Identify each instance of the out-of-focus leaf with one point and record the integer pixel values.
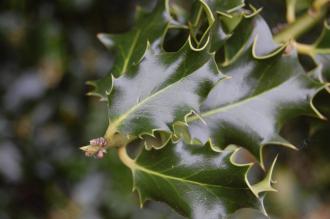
(301, 5)
(322, 44)
(323, 62)
(322, 53)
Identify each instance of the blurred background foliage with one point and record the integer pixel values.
(48, 50)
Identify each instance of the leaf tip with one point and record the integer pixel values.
(105, 39)
(265, 185)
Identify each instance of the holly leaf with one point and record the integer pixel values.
(165, 88)
(264, 91)
(131, 46)
(202, 34)
(250, 30)
(195, 180)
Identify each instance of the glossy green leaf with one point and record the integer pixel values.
(200, 25)
(181, 100)
(164, 89)
(252, 28)
(230, 21)
(100, 87)
(195, 180)
(208, 12)
(263, 93)
(131, 46)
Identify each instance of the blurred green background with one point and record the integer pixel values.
(48, 50)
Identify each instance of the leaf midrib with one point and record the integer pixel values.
(235, 104)
(113, 127)
(130, 52)
(136, 166)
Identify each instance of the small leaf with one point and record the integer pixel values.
(212, 9)
(100, 87)
(199, 31)
(322, 44)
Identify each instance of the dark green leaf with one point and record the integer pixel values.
(249, 108)
(164, 89)
(193, 179)
(131, 46)
(251, 29)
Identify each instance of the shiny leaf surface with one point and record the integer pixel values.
(249, 108)
(195, 180)
(165, 88)
(130, 47)
(181, 101)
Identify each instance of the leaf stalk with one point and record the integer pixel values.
(303, 23)
(123, 156)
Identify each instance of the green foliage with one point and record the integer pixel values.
(264, 86)
(148, 100)
(131, 46)
(229, 84)
(194, 179)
